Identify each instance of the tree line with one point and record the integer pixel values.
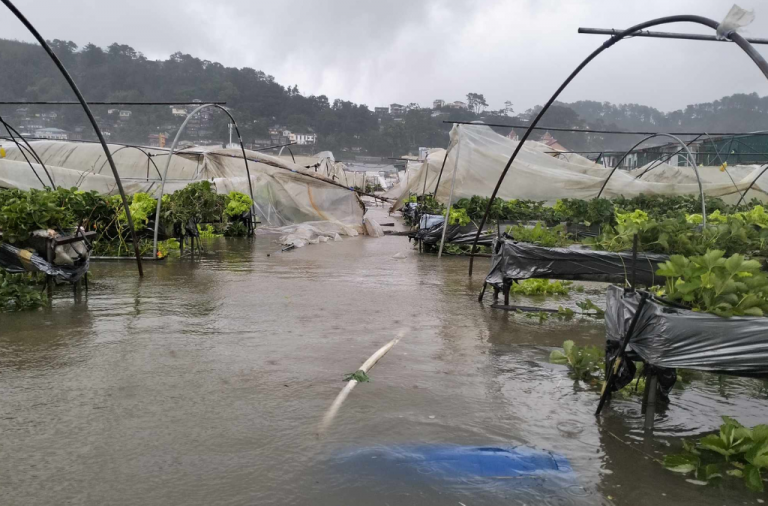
(121, 73)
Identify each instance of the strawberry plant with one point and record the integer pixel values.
(540, 235)
(723, 286)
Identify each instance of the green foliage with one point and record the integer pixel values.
(458, 217)
(430, 205)
(236, 229)
(540, 235)
(537, 286)
(660, 207)
(678, 236)
(207, 232)
(20, 291)
(735, 451)
(164, 248)
(584, 362)
(22, 212)
(755, 216)
(237, 204)
(594, 211)
(512, 210)
(360, 376)
(143, 208)
(589, 307)
(197, 202)
(723, 286)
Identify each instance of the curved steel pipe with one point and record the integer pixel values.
(92, 120)
(735, 37)
(168, 164)
(743, 195)
(149, 157)
(23, 153)
(717, 153)
(30, 150)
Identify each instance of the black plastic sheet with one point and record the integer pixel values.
(16, 260)
(456, 234)
(674, 338)
(512, 260)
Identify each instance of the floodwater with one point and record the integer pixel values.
(205, 383)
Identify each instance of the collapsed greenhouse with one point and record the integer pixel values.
(284, 193)
(477, 155)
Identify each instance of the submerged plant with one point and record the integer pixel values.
(735, 451)
(236, 229)
(538, 286)
(164, 248)
(584, 362)
(590, 308)
(20, 291)
(207, 231)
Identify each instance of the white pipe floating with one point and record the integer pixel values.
(367, 365)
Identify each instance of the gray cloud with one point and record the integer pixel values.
(418, 50)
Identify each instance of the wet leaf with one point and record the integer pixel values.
(752, 478)
(682, 463)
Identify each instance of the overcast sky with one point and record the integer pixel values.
(378, 52)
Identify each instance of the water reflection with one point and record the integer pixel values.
(204, 383)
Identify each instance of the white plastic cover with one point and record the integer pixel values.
(537, 175)
(734, 20)
(313, 233)
(284, 193)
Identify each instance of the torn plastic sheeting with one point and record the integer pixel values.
(312, 233)
(430, 220)
(680, 338)
(373, 229)
(736, 19)
(513, 260)
(16, 261)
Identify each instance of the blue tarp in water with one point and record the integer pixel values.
(466, 461)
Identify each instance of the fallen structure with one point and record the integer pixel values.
(477, 155)
(285, 193)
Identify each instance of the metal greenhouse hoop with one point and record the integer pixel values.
(92, 120)
(690, 158)
(170, 155)
(752, 184)
(732, 35)
(26, 148)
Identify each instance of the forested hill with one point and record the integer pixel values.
(120, 73)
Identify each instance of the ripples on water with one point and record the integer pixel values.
(205, 383)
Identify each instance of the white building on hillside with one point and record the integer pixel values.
(52, 133)
(303, 139)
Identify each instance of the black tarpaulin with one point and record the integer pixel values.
(680, 338)
(456, 234)
(514, 260)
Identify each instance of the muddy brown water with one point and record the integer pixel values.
(205, 384)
